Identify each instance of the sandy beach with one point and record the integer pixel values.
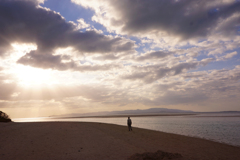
(94, 141)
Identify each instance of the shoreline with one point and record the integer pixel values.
(64, 140)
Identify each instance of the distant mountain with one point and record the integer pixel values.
(229, 111)
(152, 110)
(130, 112)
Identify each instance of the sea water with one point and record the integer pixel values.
(224, 128)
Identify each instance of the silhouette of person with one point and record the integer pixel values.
(129, 123)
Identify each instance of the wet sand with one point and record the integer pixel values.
(94, 141)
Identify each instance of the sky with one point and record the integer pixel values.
(78, 56)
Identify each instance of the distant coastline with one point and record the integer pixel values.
(148, 113)
(132, 115)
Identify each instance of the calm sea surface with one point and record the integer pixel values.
(224, 128)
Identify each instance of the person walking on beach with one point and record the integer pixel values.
(129, 123)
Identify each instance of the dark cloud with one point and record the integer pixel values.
(46, 61)
(26, 22)
(183, 18)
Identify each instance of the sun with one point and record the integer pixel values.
(28, 75)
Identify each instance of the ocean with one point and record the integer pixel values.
(224, 127)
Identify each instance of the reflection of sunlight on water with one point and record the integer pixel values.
(38, 119)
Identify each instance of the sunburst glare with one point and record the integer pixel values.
(28, 75)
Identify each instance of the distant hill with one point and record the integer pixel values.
(130, 112)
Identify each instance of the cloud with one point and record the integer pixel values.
(185, 19)
(60, 62)
(196, 88)
(7, 87)
(154, 55)
(107, 57)
(82, 24)
(205, 61)
(174, 97)
(151, 73)
(168, 68)
(227, 56)
(91, 93)
(27, 22)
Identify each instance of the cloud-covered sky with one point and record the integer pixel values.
(78, 56)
